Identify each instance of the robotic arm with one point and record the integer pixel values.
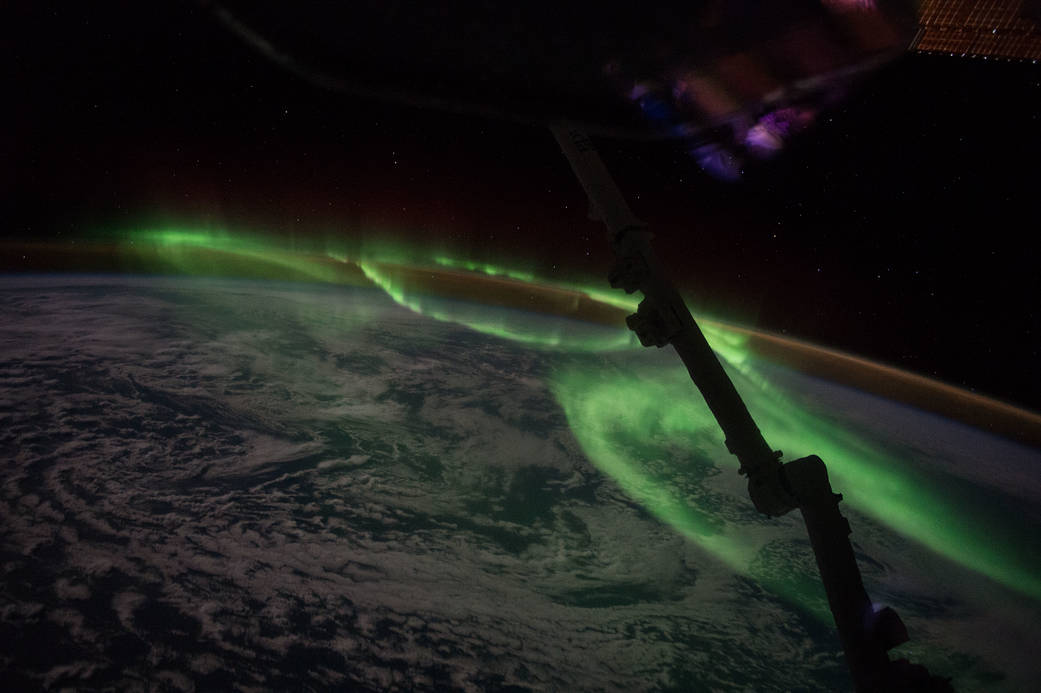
(775, 488)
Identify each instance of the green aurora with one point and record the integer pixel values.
(631, 423)
(503, 323)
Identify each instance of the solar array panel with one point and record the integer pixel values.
(988, 28)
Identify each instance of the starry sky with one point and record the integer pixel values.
(901, 226)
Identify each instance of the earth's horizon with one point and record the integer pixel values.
(259, 485)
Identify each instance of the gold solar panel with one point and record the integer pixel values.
(988, 28)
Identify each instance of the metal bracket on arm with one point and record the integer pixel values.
(866, 634)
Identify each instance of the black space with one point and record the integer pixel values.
(903, 226)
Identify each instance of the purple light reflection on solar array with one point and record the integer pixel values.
(772, 130)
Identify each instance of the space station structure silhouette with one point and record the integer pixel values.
(775, 487)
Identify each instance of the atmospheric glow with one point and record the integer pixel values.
(633, 427)
(513, 325)
(628, 426)
(219, 253)
(485, 268)
(632, 422)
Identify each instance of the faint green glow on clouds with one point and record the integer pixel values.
(628, 423)
(874, 481)
(634, 426)
(625, 423)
